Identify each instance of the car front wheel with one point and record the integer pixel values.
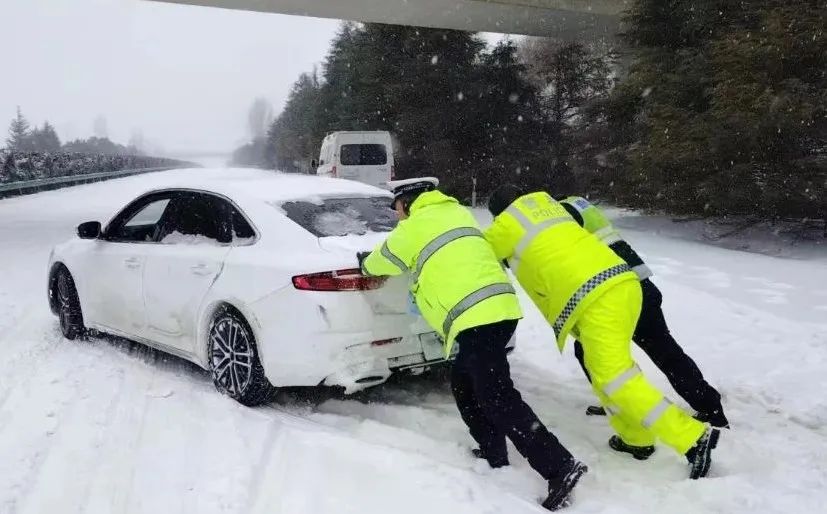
(68, 305)
(234, 364)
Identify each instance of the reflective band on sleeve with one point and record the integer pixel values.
(656, 413)
(438, 242)
(590, 285)
(473, 299)
(389, 255)
(643, 271)
(611, 410)
(619, 381)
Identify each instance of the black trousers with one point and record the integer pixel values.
(493, 409)
(653, 337)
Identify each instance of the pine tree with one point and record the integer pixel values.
(293, 138)
(19, 133)
(725, 108)
(572, 78)
(45, 139)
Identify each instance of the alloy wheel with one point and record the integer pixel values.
(231, 356)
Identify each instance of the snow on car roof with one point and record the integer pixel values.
(264, 185)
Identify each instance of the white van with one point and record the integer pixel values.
(362, 156)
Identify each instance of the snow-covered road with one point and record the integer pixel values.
(107, 426)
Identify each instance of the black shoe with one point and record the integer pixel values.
(700, 455)
(499, 462)
(715, 418)
(595, 410)
(638, 452)
(560, 488)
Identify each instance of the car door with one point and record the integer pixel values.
(116, 265)
(193, 240)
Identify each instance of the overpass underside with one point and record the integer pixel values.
(565, 19)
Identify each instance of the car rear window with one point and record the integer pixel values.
(332, 217)
(363, 155)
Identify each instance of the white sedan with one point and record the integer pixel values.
(250, 275)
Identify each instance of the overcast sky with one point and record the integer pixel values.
(183, 75)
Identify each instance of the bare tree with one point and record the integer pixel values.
(259, 118)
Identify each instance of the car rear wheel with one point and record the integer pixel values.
(68, 305)
(234, 364)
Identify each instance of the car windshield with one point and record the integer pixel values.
(332, 217)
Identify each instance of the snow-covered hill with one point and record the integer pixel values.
(107, 426)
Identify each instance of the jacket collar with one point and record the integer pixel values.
(431, 198)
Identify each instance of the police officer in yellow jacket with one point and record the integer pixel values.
(464, 294)
(583, 288)
(651, 334)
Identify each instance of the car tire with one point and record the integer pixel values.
(68, 305)
(234, 363)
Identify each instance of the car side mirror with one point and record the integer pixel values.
(89, 230)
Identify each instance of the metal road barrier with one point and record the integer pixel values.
(44, 184)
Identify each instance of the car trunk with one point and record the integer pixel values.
(390, 302)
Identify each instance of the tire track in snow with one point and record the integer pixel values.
(15, 352)
(34, 444)
(274, 430)
(120, 500)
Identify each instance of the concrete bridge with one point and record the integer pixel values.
(566, 19)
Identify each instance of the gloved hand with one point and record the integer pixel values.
(360, 257)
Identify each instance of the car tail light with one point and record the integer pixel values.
(393, 172)
(341, 280)
(333, 171)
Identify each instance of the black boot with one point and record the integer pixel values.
(495, 463)
(595, 410)
(638, 452)
(700, 455)
(560, 488)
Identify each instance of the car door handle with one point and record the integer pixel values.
(132, 263)
(201, 269)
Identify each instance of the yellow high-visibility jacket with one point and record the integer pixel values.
(562, 267)
(456, 280)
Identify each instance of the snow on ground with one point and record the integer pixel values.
(108, 426)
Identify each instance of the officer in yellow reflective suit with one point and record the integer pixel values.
(465, 296)
(583, 288)
(651, 334)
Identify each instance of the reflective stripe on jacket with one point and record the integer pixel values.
(599, 224)
(456, 280)
(562, 267)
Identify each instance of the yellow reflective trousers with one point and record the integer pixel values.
(636, 409)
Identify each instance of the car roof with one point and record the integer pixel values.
(262, 185)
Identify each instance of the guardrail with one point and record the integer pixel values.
(45, 184)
